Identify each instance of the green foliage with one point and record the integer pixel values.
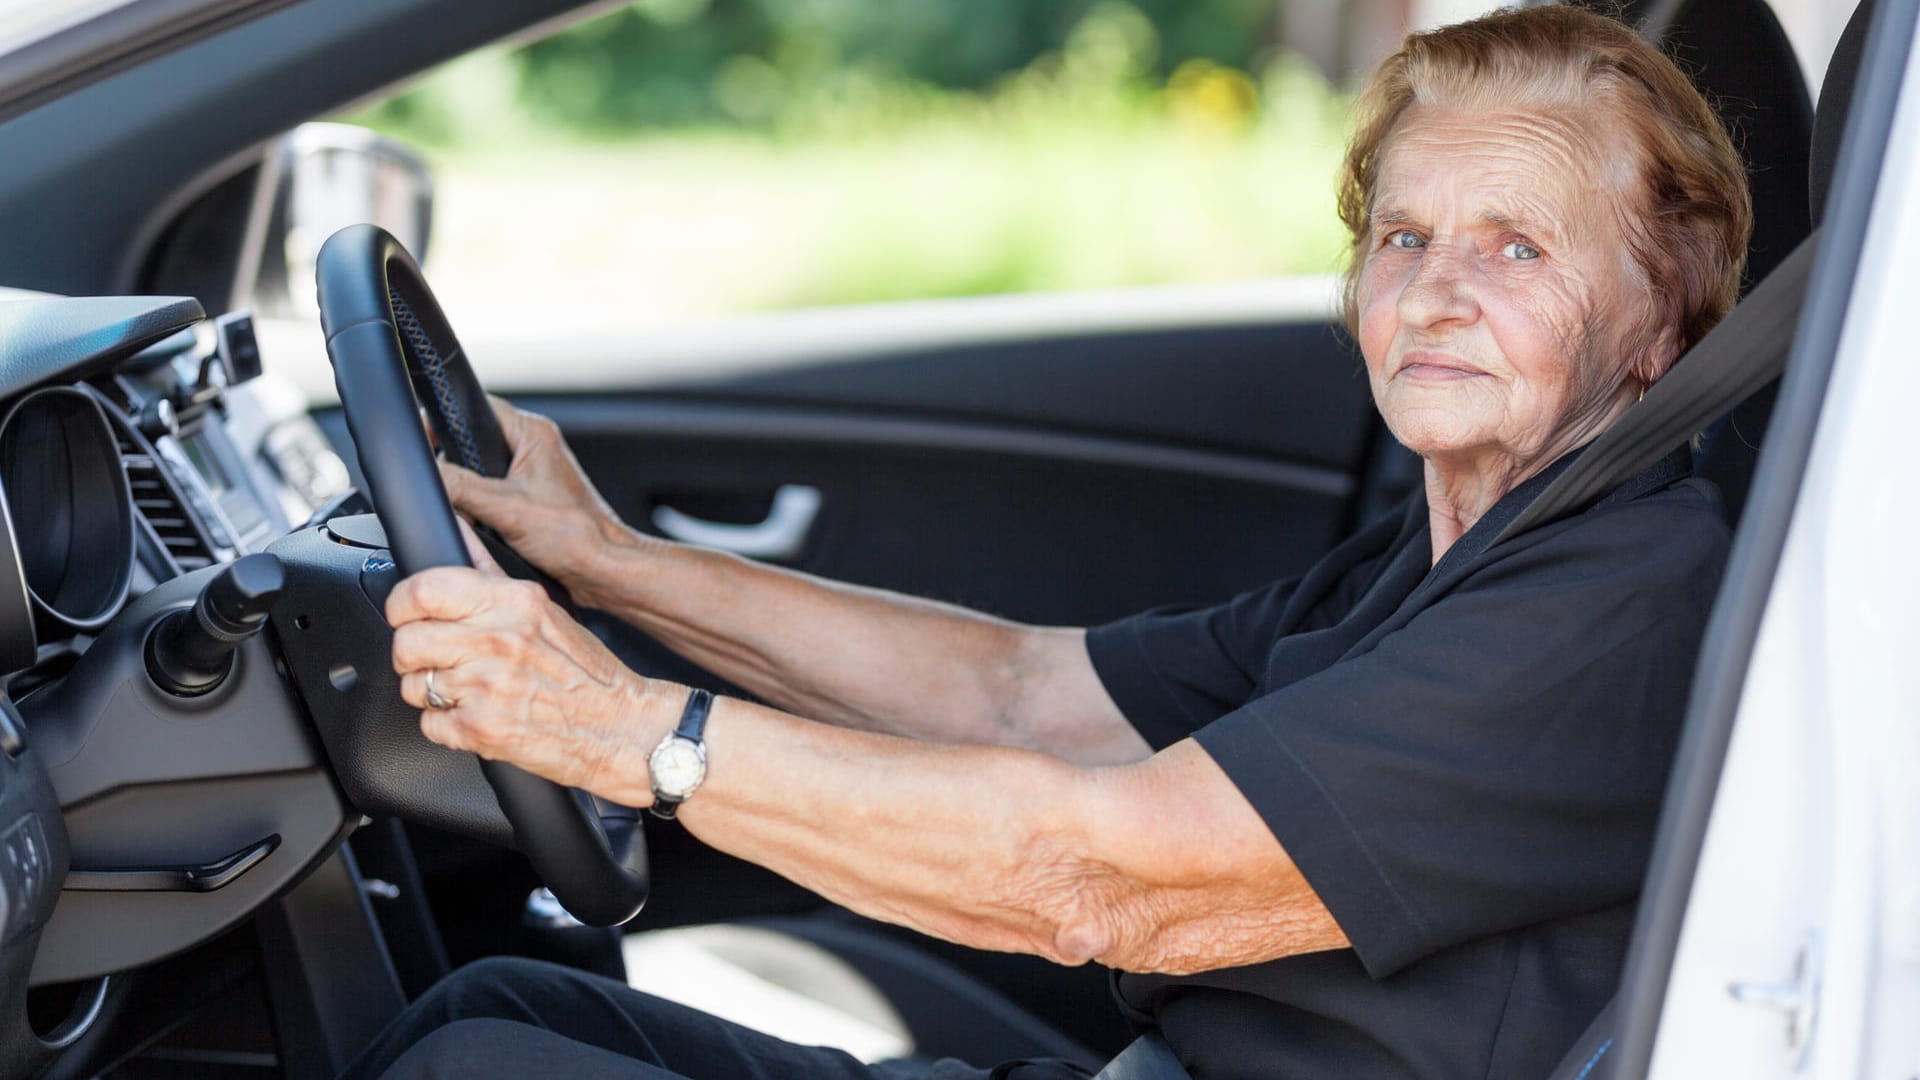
(676, 62)
(699, 157)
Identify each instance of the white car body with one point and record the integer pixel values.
(1800, 951)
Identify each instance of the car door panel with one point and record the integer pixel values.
(1066, 481)
(1046, 527)
(1282, 390)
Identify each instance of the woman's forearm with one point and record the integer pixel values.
(863, 658)
(858, 658)
(1160, 865)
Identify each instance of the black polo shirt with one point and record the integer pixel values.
(1465, 760)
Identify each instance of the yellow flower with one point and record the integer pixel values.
(1204, 96)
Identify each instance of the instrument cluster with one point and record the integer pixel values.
(70, 506)
(149, 464)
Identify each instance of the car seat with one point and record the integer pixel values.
(1741, 60)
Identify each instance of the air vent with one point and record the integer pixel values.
(161, 506)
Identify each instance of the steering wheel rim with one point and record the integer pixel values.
(394, 355)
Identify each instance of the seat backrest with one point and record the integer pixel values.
(1836, 92)
(1741, 60)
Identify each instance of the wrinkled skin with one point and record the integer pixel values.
(526, 682)
(1502, 318)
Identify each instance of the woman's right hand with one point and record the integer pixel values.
(545, 507)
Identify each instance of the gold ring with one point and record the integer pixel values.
(435, 700)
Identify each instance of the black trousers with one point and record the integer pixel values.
(511, 1017)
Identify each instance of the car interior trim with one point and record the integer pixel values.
(67, 337)
(203, 101)
(111, 42)
(82, 1018)
(728, 421)
(1727, 648)
(19, 641)
(204, 878)
(60, 460)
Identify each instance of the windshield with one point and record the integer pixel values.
(24, 22)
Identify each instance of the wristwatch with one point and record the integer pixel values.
(678, 765)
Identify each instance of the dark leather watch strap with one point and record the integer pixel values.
(693, 724)
(693, 719)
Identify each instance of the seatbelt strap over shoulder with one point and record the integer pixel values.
(1745, 352)
(1146, 1058)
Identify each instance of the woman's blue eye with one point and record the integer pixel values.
(1406, 239)
(1517, 250)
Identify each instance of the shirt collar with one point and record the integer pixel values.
(1671, 469)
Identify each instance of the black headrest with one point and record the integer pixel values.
(1740, 58)
(1836, 95)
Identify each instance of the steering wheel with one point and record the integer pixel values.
(393, 356)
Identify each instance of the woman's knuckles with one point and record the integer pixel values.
(439, 726)
(528, 596)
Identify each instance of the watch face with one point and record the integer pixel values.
(678, 766)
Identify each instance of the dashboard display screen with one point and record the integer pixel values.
(235, 500)
(203, 463)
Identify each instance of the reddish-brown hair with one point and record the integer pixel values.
(1688, 224)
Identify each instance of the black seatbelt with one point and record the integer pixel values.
(1746, 351)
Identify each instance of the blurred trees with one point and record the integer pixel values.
(676, 62)
(709, 156)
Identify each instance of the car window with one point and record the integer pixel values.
(679, 160)
(615, 190)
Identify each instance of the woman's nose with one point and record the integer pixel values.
(1441, 289)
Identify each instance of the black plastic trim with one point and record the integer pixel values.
(145, 779)
(330, 979)
(85, 1014)
(81, 547)
(208, 878)
(730, 420)
(114, 41)
(59, 338)
(1727, 651)
(19, 640)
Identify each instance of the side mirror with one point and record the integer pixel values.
(315, 180)
(245, 235)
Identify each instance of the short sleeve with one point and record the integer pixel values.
(1173, 670)
(1498, 760)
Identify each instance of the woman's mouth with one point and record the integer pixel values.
(1436, 367)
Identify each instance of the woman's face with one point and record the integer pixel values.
(1502, 318)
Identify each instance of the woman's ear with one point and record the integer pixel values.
(1658, 356)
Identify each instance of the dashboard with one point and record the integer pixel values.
(170, 459)
(142, 457)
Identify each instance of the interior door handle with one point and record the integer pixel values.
(780, 536)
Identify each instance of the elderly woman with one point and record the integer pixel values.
(1386, 819)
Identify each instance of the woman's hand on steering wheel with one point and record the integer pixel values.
(545, 507)
(518, 680)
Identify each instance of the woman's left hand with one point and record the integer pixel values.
(520, 680)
